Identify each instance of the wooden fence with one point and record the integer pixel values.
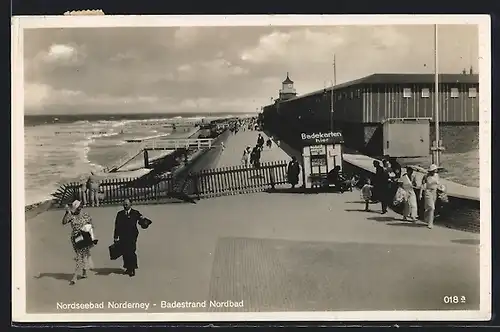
(197, 185)
(238, 179)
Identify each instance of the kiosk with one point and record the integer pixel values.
(321, 152)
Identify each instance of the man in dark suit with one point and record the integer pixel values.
(126, 232)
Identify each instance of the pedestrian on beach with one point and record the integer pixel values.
(428, 190)
(222, 146)
(381, 185)
(93, 189)
(82, 238)
(82, 191)
(409, 181)
(293, 171)
(126, 233)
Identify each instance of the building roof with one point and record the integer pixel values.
(399, 79)
(287, 80)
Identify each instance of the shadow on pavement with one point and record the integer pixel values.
(54, 275)
(356, 210)
(382, 219)
(301, 191)
(407, 224)
(467, 241)
(355, 202)
(106, 271)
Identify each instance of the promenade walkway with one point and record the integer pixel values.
(235, 144)
(274, 251)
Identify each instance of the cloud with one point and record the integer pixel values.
(219, 68)
(60, 54)
(125, 56)
(216, 69)
(300, 44)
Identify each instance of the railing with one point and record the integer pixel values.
(202, 184)
(179, 143)
(125, 159)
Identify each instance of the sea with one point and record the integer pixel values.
(63, 148)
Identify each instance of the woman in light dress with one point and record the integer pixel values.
(410, 205)
(79, 221)
(245, 159)
(430, 184)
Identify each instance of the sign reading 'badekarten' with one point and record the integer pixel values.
(331, 137)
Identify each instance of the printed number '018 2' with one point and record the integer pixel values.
(454, 299)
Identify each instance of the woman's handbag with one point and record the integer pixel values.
(82, 240)
(400, 196)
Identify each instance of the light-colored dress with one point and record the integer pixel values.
(430, 184)
(410, 207)
(82, 254)
(366, 192)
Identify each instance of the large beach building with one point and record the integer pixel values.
(359, 108)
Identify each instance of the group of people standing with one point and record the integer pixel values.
(251, 156)
(125, 233)
(390, 186)
(89, 190)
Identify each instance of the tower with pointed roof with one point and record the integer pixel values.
(287, 90)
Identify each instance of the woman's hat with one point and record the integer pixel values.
(433, 168)
(75, 205)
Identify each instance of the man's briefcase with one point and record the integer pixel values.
(115, 251)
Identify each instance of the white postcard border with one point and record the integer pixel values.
(18, 219)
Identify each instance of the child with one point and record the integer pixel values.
(366, 193)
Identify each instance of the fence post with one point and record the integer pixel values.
(271, 176)
(196, 185)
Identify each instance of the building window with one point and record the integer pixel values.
(426, 93)
(454, 93)
(406, 93)
(472, 92)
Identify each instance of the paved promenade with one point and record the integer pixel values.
(274, 251)
(236, 143)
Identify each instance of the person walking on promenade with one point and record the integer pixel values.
(395, 166)
(269, 143)
(255, 156)
(80, 222)
(381, 185)
(428, 190)
(126, 232)
(93, 189)
(410, 205)
(366, 193)
(245, 159)
(293, 172)
(260, 141)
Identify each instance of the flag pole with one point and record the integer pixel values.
(436, 98)
(334, 82)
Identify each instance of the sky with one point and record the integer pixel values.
(220, 69)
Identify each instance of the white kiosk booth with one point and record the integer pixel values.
(321, 152)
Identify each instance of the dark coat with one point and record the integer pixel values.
(126, 226)
(293, 172)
